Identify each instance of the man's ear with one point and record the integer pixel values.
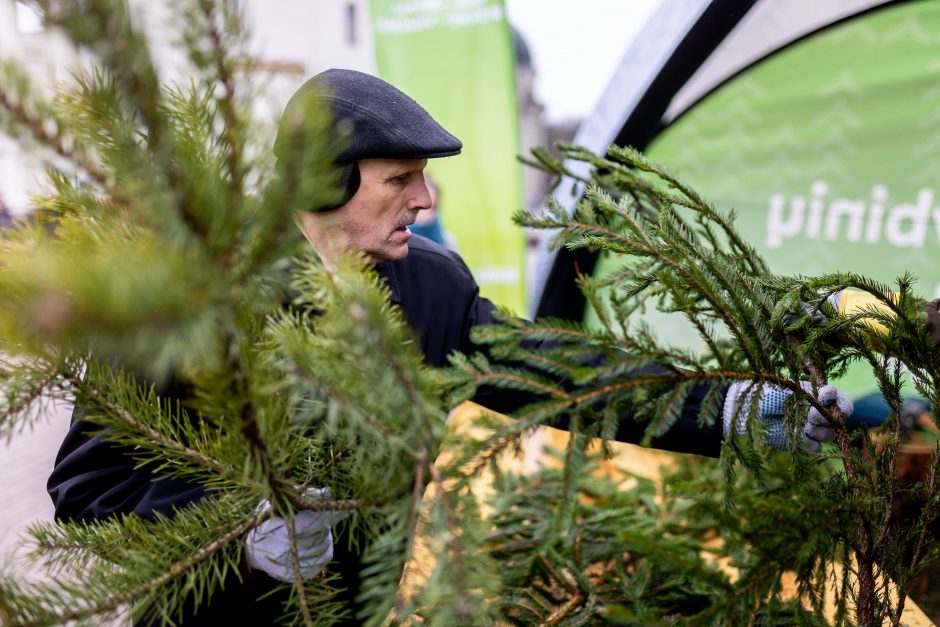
(348, 183)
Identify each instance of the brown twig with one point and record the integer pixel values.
(562, 612)
(865, 605)
(889, 467)
(564, 581)
(298, 575)
(327, 505)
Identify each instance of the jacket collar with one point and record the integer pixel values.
(386, 270)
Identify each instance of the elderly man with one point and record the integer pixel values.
(389, 139)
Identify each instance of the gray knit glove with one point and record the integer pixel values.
(268, 545)
(770, 405)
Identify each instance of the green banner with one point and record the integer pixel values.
(456, 58)
(829, 152)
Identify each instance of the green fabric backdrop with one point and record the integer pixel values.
(457, 59)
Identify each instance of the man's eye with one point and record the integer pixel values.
(400, 180)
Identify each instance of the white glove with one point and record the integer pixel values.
(738, 406)
(268, 545)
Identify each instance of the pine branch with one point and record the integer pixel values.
(281, 491)
(574, 459)
(864, 608)
(299, 586)
(124, 51)
(518, 381)
(563, 612)
(463, 603)
(350, 406)
(25, 400)
(524, 421)
(730, 294)
(688, 258)
(226, 103)
(155, 436)
(416, 398)
(929, 513)
(417, 493)
(40, 131)
(637, 160)
(175, 572)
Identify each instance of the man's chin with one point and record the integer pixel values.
(399, 253)
(396, 253)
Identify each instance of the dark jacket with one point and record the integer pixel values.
(933, 320)
(440, 301)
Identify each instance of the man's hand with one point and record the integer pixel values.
(770, 408)
(268, 545)
(814, 311)
(808, 310)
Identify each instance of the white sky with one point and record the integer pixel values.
(576, 45)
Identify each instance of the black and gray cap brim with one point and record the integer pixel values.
(373, 119)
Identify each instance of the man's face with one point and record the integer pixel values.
(374, 220)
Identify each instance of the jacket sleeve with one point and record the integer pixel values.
(685, 436)
(93, 479)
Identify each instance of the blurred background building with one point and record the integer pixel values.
(292, 40)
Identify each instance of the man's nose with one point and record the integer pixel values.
(421, 198)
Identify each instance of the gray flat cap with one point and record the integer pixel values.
(374, 119)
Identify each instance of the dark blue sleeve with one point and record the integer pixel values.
(93, 479)
(685, 436)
